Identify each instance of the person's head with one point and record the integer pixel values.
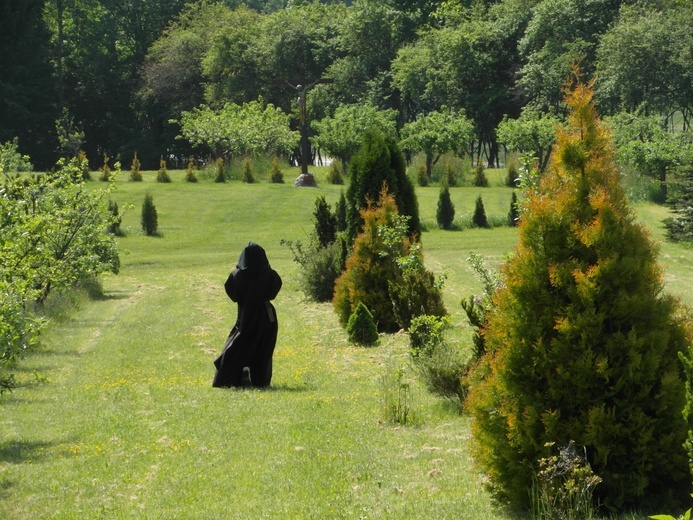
(253, 259)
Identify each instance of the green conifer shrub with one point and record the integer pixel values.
(480, 179)
(191, 168)
(513, 178)
(83, 165)
(150, 219)
(162, 175)
(479, 218)
(514, 213)
(325, 222)
(340, 212)
(276, 174)
(379, 162)
(135, 173)
(361, 328)
(105, 170)
(422, 176)
(445, 215)
(115, 218)
(385, 272)
(320, 267)
(581, 343)
(680, 226)
(334, 174)
(247, 172)
(449, 176)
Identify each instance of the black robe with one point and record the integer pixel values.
(252, 339)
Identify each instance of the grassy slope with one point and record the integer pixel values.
(128, 426)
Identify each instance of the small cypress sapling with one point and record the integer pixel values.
(445, 215)
(334, 174)
(83, 165)
(361, 328)
(247, 172)
(479, 218)
(513, 177)
(340, 212)
(115, 218)
(421, 176)
(276, 174)
(135, 173)
(150, 219)
(450, 177)
(190, 175)
(480, 179)
(514, 213)
(105, 169)
(162, 174)
(325, 222)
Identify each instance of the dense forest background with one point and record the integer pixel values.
(110, 76)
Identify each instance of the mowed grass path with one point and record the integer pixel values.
(122, 421)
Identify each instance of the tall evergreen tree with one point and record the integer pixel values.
(582, 343)
(379, 161)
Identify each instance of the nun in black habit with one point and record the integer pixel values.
(247, 356)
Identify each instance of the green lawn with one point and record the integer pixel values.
(117, 417)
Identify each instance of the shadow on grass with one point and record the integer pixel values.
(18, 452)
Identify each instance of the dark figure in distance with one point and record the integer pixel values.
(247, 356)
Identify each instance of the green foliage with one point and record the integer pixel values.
(83, 165)
(680, 226)
(379, 163)
(512, 180)
(437, 133)
(385, 271)
(398, 399)
(426, 333)
(340, 212)
(105, 170)
(449, 175)
(341, 135)
(685, 516)
(564, 487)
(162, 175)
(219, 169)
(325, 222)
(479, 218)
(320, 267)
(116, 218)
(334, 174)
(135, 173)
(51, 237)
(581, 344)
(276, 174)
(514, 213)
(190, 175)
(239, 130)
(477, 307)
(480, 179)
(361, 328)
(439, 365)
(150, 218)
(247, 172)
(445, 215)
(11, 161)
(532, 133)
(422, 176)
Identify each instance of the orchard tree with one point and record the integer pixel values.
(532, 133)
(341, 135)
(234, 130)
(582, 344)
(437, 133)
(643, 143)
